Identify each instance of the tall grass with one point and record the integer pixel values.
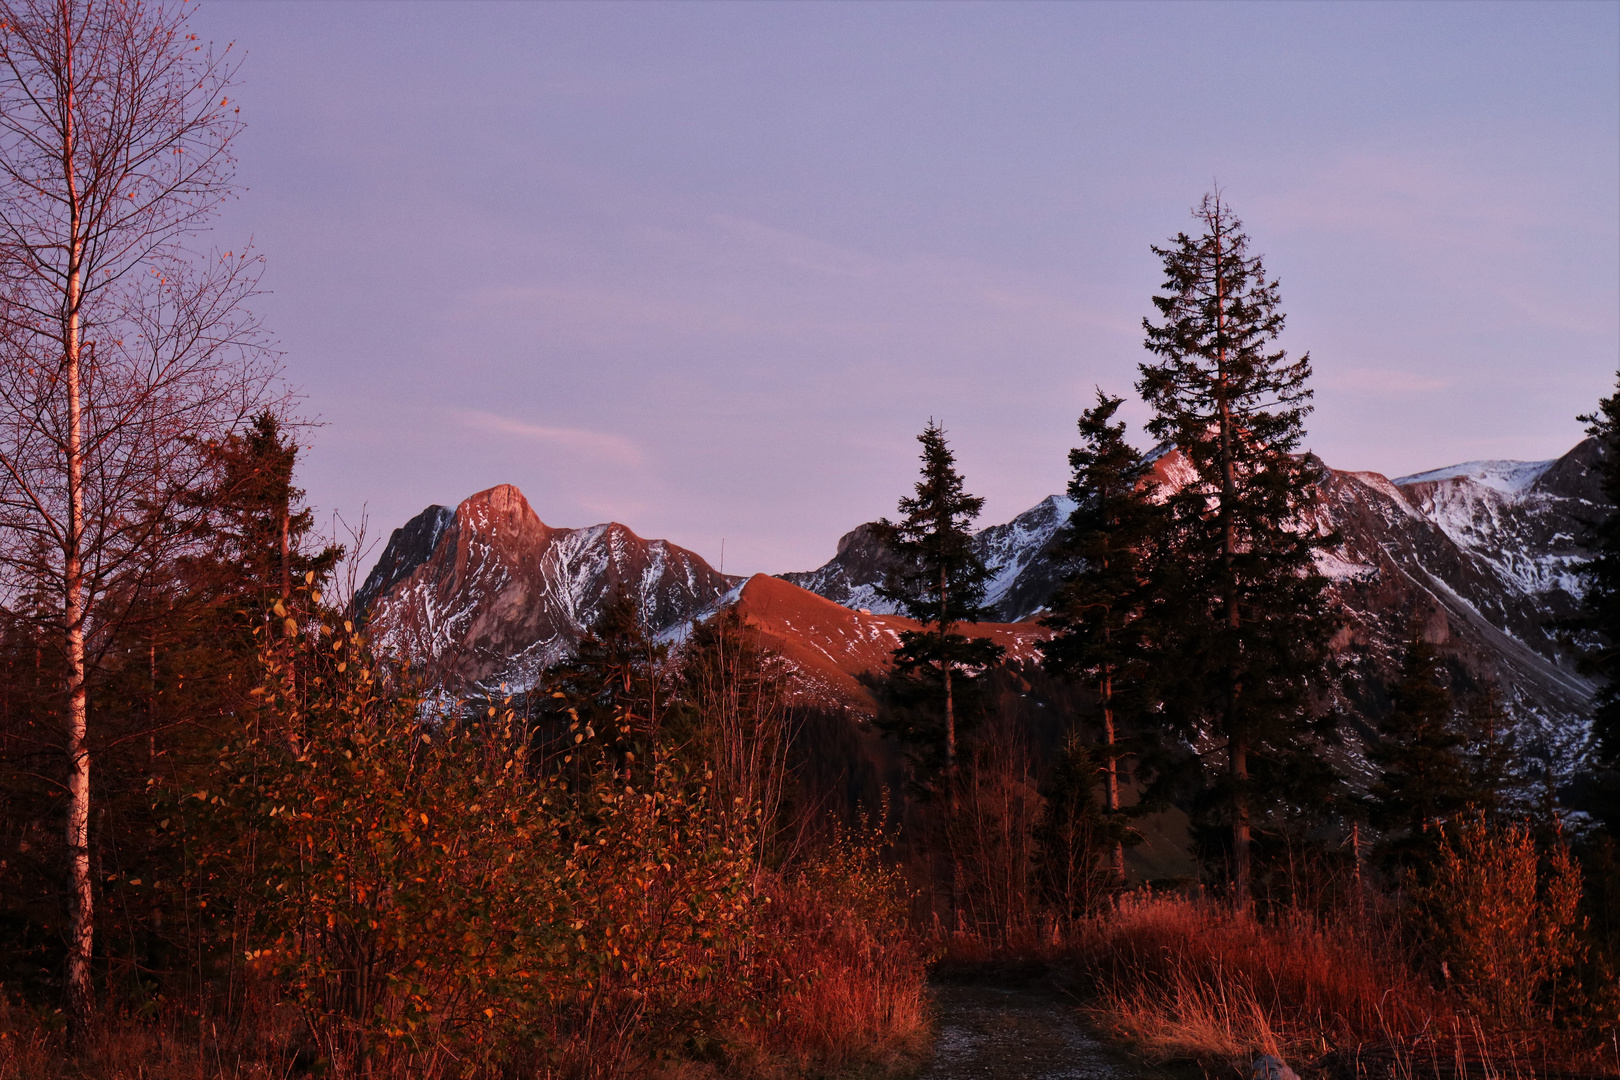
(1183, 978)
(843, 969)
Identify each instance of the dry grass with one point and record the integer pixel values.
(846, 976)
(1180, 977)
(258, 1045)
(1183, 979)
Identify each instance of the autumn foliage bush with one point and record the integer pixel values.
(420, 890)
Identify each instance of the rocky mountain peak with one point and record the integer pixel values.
(489, 593)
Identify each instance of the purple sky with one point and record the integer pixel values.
(708, 269)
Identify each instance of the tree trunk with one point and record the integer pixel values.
(81, 898)
(951, 798)
(950, 743)
(1241, 891)
(286, 562)
(1237, 744)
(1113, 767)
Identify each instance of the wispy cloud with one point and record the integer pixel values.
(596, 444)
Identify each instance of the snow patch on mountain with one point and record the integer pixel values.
(1507, 477)
(1480, 557)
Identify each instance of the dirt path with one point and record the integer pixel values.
(1018, 1030)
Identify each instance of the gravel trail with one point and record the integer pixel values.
(1018, 1030)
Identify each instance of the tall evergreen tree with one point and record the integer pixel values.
(255, 530)
(941, 584)
(1597, 628)
(1104, 610)
(1252, 634)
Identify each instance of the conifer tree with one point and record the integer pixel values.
(1424, 777)
(1075, 832)
(254, 524)
(941, 585)
(1597, 628)
(1105, 607)
(1251, 635)
(611, 680)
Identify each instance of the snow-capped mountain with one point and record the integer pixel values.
(1022, 577)
(1478, 558)
(488, 593)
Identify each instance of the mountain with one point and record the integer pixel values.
(828, 646)
(1022, 577)
(488, 593)
(1477, 557)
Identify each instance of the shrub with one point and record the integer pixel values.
(1506, 929)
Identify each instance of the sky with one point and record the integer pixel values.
(708, 269)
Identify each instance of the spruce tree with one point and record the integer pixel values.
(1104, 610)
(1424, 779)
(254, 533)
(1251, 635)
(611, 680)
(941, 584)
(1597, 628)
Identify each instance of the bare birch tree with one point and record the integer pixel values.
(126, 347)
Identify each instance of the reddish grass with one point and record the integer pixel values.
(257, 1044)
(1182, 976)
(848, 991)
(1186, 979)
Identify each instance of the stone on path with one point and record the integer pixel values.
(1267, 1067)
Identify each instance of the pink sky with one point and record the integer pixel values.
(708, 269)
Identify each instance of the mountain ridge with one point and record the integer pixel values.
(489, 593)
(1476, 557)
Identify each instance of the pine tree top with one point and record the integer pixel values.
(1218, 361)
(944, 579)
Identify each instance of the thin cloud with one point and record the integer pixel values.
(594, 444)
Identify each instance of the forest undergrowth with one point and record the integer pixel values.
(363, 881)
(1367, 990)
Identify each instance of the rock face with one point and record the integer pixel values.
(1022, 576)
(1477, 558)
(488, 593)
